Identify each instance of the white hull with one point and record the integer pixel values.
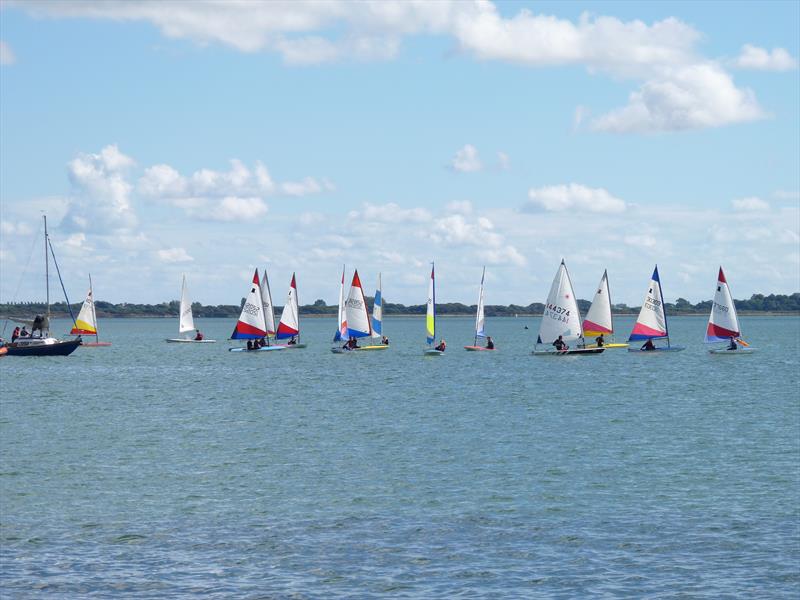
(190, 341)
(726, 351)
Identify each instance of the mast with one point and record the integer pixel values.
(94, 313)
(611, 314)
(46, 271)
(433, 297)
(663, 306)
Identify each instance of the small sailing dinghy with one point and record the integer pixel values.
(430, 318)
(652, 321)
(289, 325)
(356, 322)
(598, 320)
(86, 323)
(251, 324)
(561, 319)
(44, 344)
(377, 321)
(186, 320)
(723, 325)
(480, 322)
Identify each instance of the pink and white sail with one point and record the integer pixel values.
(357, 314)
(251, 323)
(289, 325)
(652, 322)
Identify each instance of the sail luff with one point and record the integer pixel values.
(341, 315)
(430, 317)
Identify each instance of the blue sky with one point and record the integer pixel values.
(212, 138)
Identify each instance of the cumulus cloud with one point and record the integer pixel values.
(307, 186)
(389, 213)
(7, 56)
(233, 208)
(750, 204)
(559, 198)
(691, 97)
(680, 90)
(760, 59)
(14, 228)
(173, 255)
(466, 160)
(101, 196)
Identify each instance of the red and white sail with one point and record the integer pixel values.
(289, 325)
(341, 316)
(251, 324)
(358, 323)
(598, 319)
(722, 322)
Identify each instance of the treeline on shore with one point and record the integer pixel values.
(757, 303)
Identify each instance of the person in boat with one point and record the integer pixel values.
(560, 344)
(352, 343)
(24, 332)
(442, 346)
(385, 340)
(733, 345)
(648, 345)
(15, 335)
(250, 344)
(489, 343)
(198, 336)
(600, 340)
(293, 341)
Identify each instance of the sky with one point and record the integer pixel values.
(212, 138)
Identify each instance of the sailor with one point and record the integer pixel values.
(489, 343)
(560, 344)
(648, 345)
(600, 341)
(15, 334)
(732, 345)
(385, 340)
(198, 336)
(442, 346)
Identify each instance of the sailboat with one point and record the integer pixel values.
(289, 325)
(479, 321)
(562, 319)
(430, 317)
(251, 324)
(652, 321)
(598, 320)
(356, 323)
(86, 323)
(377, 321)
(44, 344)
(723, 325)
(186, 319)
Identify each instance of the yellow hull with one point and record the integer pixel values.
(608, 345)
(378, 347)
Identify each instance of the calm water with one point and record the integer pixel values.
(155, 470)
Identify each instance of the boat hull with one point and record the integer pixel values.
(295, 346)
(264, 349)
(656, 350)
(729, 352)
(359, 349)
(607, 346)
(189, 341)
(56, 349)
(478, 349)
(568, 352)
(432, 352)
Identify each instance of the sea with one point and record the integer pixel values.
(155, 470)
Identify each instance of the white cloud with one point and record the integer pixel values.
(750, 204)
(640, 241)
(753, 57)
(787, 195)
(559, 198)
(101, 192)
(15, 228)
(233, 208)
(691, 97)
(463, 207)
(162, 181)
(173, 255)
(389, 213)
(7, 56)
(681, 89)
(466, 160)
(307, 186)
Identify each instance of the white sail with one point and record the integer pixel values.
(598, 319)
(86, 322)
(652, 322)
(266, 303)
(289, 325)
(358, 324)
(561, 316)
(341, 315)
(186, 322)
(377, 310)
(722, 322)
(479, 318)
